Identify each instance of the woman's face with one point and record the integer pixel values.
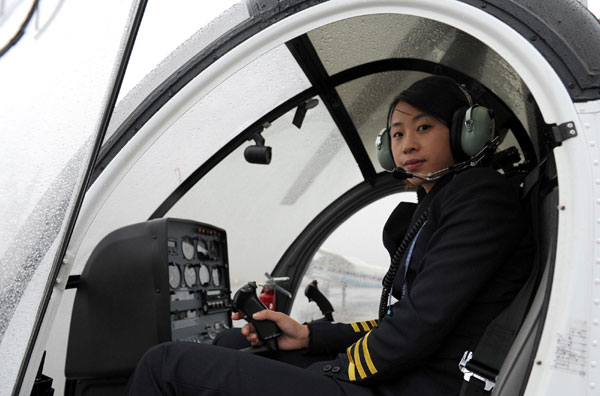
(420, 143)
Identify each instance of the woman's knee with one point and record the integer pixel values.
(154, 358)
(231, 338)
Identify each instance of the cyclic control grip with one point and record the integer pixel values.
(246, 301)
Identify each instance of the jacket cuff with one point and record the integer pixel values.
(319, 334)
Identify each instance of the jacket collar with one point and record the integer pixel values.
(425, 198)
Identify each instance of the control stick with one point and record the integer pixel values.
(246, 301)
(314, 294)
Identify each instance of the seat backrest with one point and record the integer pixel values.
(515, 371)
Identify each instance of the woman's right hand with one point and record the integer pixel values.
(294, 334)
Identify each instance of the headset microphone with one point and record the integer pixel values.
(490, 147)
(402, 174)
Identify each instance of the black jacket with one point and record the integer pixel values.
(469, 261)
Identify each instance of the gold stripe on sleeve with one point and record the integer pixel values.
(359, 367)
(373, 323)
(365, 326)
(351, 370)
(355, 327)
(370, 364)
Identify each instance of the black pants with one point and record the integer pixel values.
(184, 368)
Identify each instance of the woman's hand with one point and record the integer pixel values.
(294, 335)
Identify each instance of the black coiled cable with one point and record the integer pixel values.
(397, 260)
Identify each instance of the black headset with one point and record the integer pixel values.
(472, 128)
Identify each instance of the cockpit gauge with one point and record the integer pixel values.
(189, 276)
(174, 276)
(187, 247)
(172, 246)
(202, 249)
(214, 250)
(204, 275)
(216, 277)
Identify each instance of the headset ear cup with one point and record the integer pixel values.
(474, 137)
(383, 148)
(456, 129)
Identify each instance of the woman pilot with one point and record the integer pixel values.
(468, 252)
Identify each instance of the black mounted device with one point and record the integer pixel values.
(144, 284)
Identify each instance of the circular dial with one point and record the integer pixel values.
(174, 276)
(202, 249)
(187, 246)
(216, 277)
(189, 275)
(204, 275)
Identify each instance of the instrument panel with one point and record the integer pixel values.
(144, 284)
(200, 297)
